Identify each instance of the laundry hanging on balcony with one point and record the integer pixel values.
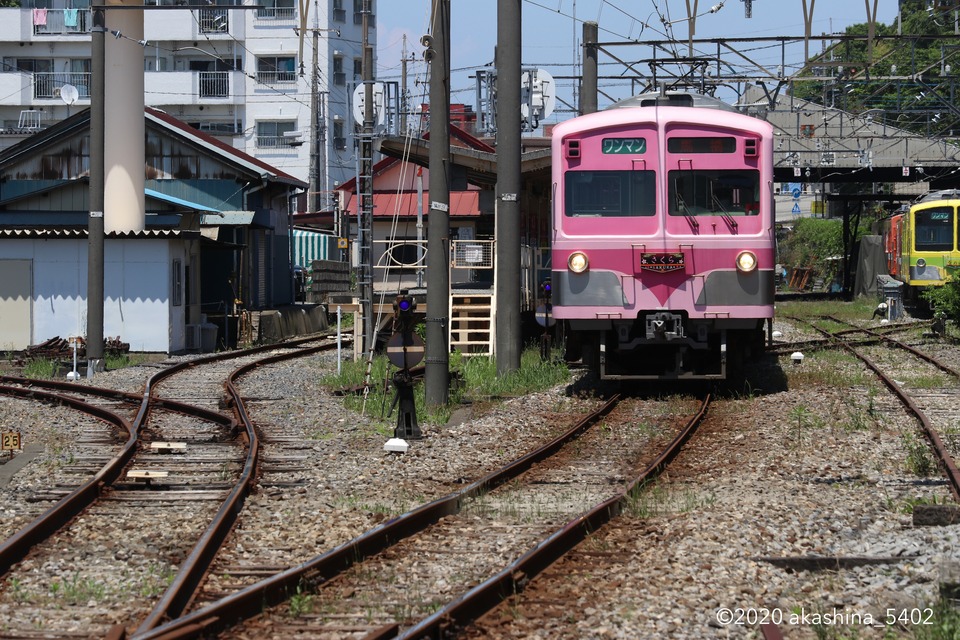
(70, 17)
(39, 17)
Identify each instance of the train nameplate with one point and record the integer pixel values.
(10, 441)
(662, 262)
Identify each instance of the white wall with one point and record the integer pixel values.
(137, 275)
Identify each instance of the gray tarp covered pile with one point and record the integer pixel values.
(872, 262)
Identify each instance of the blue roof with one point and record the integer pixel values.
(151, 193)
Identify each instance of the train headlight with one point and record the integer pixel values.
(746, 261)
(577, 262)
(921, 263)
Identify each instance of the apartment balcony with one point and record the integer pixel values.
(162, 87)
(22, 24)
(194, 87)
(206, 24)
(60, 22)
(47, 86)
(41, 89)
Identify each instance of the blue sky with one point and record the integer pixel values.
(552, 31)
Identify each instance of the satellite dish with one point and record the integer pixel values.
(538, 96)
(69, 94)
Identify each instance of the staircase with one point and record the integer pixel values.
(471, 323)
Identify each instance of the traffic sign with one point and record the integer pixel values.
(796, 193)
(796, 208)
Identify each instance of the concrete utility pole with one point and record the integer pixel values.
(365, 231)
(507, 271)
(588, 92)
(313, 199)
(95, 234)
(437, 53)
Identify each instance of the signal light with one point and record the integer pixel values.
(546, 289)
(404, 307)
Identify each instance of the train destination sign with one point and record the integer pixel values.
(662, 262)
(623, 145)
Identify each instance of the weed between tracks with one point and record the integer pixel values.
(475, 379)
(656, 499)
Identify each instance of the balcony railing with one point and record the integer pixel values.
(274, 142)
(60, 21)
(214, 84)
(46, 86)
(276, 13)
(276, 77)
(214, 21)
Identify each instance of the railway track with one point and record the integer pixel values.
(928, 388)
(567, 483)
(180, 476)
(288, 524)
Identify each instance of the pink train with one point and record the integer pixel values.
(663, 237)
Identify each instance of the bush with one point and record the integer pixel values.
(813, 241)
(945, 300)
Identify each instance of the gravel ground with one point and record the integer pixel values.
(815, 468)
(812, 460)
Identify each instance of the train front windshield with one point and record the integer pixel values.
(714, 192)
(610, 193)
(934, 229)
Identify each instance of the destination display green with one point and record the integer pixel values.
(623, 145)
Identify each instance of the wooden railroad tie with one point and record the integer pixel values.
(168, 447)
(144, 476)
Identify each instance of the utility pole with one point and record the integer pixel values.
(365, 232)
(404, 105)
(96, 228)
(507, 272)
(588, 90)
(437, 373)
(313, 200)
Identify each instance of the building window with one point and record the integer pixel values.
(357, 68)
(339, 13)
(339, 140)
(214, 21)
(270, 134)
(176, 284)
(358, 13)
(276, 69)
(276, 9)
(339, 77)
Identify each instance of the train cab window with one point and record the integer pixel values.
(610, 193)
(714, 192)
(933, 229)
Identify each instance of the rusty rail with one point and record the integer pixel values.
(17, 546)
(939, 449)
(187, 582)
(512, 579)
(253, 599)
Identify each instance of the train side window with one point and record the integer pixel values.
(934, 229)
(610, 193)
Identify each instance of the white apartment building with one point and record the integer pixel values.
(243, 75)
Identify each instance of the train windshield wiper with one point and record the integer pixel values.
(686, 212)
(723, 212)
